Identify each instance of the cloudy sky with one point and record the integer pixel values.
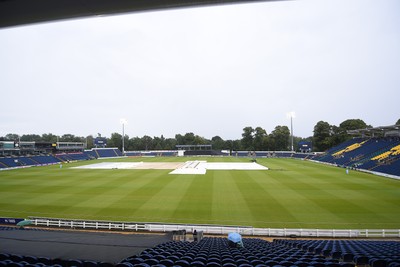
(210, 70)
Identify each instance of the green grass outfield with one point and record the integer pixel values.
(292, 194)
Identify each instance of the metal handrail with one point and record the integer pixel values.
(215, 229)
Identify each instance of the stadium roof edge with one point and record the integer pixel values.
(377, 130)
(22, 12)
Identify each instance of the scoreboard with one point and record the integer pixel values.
(100, 142)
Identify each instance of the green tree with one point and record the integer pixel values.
(115, 141)
(180, 139)
(280, 136)
(158, 143)
(49, 137)
(322, 136)
(259, 141)
(398, 122)
(218, 143)
(247, 138)
(89, 141)
(353, 124)
(70, 138)
(31, 137)
(134, 144)
(147, 142)
(170, 143)
(11, 137)
(198, 140)
(340, 135)
(189, 139)
(236, 145)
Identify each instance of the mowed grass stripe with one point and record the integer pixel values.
(293, 193)
(196, 201)
(92, 192)
(265, 206)
(294, 209)
(161, 204)
(340, 202)
(229, 207)
(41, 194)
(355, 200)
(104, 199)
(305, 201)
(126, 194)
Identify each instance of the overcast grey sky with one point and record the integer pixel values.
(210, 70)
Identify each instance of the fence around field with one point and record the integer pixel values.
(216, 230)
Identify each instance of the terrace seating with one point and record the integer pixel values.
(259, 253)
(215, 251)
(8, 163)
(107, 152)
(393, 151)
(375, 154)
(392, 168)
(16, 162)
(328, 156)
(348, 149)
(45, 159)
(203, 153)
(14, 260)
(28, 161)
(72, 156)
(358, 252)
(90, 154)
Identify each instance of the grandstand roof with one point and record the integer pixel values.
(193, 147)
(19, 12)
(391, 130)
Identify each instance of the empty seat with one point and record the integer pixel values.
(361, 260)
(167, 262)
(182, 263)
(378, 263)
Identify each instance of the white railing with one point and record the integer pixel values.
(216, 230)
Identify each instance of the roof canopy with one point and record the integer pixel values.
(19, 12)
(391, 130)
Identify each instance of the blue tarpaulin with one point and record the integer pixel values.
(24, 223)
(235, 237)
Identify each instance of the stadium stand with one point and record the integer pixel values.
(216, 251)
(72, 156)
(203, 153)
(155, 153)
(107, 152)
(28, 161)
(9, 162)
(25, 161)
(328, 155)
(373, 154)
(378, 155)
(91, 154)
(45, 160)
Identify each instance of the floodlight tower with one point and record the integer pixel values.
(123, 122)
(291, 115)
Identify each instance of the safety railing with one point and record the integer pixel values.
(215, 230)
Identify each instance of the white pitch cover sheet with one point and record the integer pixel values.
(188, 167)
(201, 167)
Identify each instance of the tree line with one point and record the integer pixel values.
(324, 137)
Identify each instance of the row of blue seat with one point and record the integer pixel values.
(361, 155)
(215, 251)
(13, 260)
(255, 253)
(15, 162)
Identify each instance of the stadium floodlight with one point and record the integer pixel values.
(123, 122)
(291, 115)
